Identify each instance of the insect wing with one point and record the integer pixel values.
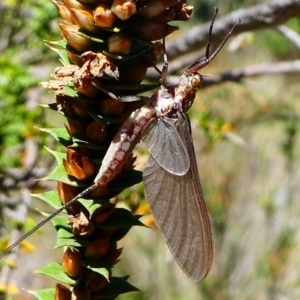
(166, 146)
(180, 213)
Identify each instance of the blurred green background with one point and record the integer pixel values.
(247, 144)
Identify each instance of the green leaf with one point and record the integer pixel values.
(53, 106)
(121, 217)
(60, 134)
(81, 143)
(61, 222)
(59, 156)
(116, 287)
(60, 48)
(56, 271)
(103, 120)
(66, 238)
(120, 233)
(101, 267)
(57, 44)
(70, 91)
(130, 178)
(95, 39)
(46, 294)
(59, 174)
(50, 198)
(91, 205)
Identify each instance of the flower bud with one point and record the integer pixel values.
(74, 128)
(74, 58)
(67, 193)
(63, 11)
(87, 85)
(84, 19)
(96, 282)
(114, 255)
(78, 165)
(62, 292)
(111, 107)
(153, 8)
(80, 293)
(71, 106)
(119, 43)
(76, 40)
(150, 29)
(71, 263)
(74, 4)
(98, 248)
(95, 132)
(124, 9)
(133, 73)
(104, 212)
(104, 16)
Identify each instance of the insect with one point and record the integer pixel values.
(172, 184)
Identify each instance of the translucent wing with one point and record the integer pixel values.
(166, 146)
(180, 212)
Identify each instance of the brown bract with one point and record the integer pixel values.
(81, 224)
(62, 292)
(71, 263)
(99, 65)
(182, 11)
(79, 165)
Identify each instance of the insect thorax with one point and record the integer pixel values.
(187, 88)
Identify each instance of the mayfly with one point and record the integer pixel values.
(172, 184)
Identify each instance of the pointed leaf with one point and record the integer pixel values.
(50, 198)
(56, 271)
(57, 44)
(60, 48)
(81, 143)
(121, 217)
(59, 174)
(60, 134)
(130, 178)
(103, 120)
(116, 287)
(95, 39)
(61, 222)
(91, 205)
(70, 91)
(101, 267)
(59, 156)
(120, 233)
(53, 106)
(46, 294)
(67, 239)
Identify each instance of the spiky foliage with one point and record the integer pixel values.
(107, 47)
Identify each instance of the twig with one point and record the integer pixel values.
(257, 17)
(16, 233)
(287, 67)
(290, 34)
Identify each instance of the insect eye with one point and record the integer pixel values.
(196, 81)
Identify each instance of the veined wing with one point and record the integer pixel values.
(180, 212)
(166, 146)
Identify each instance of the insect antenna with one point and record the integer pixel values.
(204, 61)
(43, 222)
(164, 72)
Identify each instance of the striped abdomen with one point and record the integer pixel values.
(128, 136)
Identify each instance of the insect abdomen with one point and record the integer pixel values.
(128, 136)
